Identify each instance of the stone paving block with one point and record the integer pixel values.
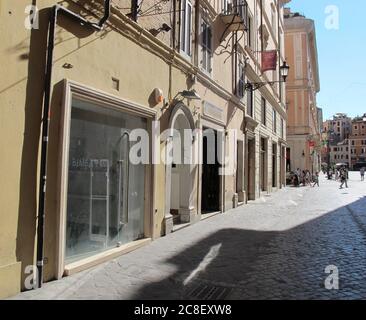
(270, 249)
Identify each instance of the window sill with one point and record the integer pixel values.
(206, 72)
(102, 257)
(186, 56)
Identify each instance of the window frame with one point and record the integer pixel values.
(185, 45)
(206, 62)
(225, 6)
(242, 9)
(250, 100)
(240, 82)
(76, 90)
(250, 35)
(264, 111)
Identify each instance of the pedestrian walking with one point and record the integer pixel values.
(316, 180)
(343, 177)
(308, 178)
(303, 178)
(296, 180)
(336, 175)
(362, 172)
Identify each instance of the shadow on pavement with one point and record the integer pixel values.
(246, 264)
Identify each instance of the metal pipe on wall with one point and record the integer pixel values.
(47, 117)
(262, 40)
(279, 46)
(134, 9)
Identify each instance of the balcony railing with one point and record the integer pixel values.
(235, 16)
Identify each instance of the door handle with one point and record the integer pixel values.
(123, 191)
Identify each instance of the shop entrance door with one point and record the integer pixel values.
(210, 173)
(274, 165)
(106, 192)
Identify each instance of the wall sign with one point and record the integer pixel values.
(213, 112)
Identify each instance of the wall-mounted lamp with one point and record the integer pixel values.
(67, 66)
(163, 28)
(284, 70)
(189, 95)
(303, 153)
(185, 94)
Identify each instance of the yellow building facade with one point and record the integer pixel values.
(163, 69)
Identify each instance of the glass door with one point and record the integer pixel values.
(99, 201)
(106, 193)
(120, 183)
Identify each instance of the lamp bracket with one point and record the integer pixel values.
(257, 85)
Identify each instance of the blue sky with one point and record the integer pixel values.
(342, 55)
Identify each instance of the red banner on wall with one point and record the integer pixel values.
(269, 60)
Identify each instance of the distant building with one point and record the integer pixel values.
(357, 142)
(304, 121)
(340, 153)
(341, 126)
(183, 74)
(347, 141)
(320, 119)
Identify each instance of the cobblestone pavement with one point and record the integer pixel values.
(275, 248)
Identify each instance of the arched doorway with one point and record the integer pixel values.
(180, 201)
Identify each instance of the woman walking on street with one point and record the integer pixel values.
(343, 177)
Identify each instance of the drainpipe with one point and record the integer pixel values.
(134, 10)
(235, 39)
(262, 40)
(47, 116)
(279, 47)
(174, 29)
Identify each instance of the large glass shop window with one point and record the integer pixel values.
(105, 206)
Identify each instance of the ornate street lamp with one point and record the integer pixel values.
(284, 71)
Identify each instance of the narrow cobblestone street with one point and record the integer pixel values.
(275, 248)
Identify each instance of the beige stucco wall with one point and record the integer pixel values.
(20, 85)
(302, 88)
(20, 96)
(123, 51)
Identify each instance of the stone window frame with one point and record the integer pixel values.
(206, 45)
(186, 31)
(81, 91)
